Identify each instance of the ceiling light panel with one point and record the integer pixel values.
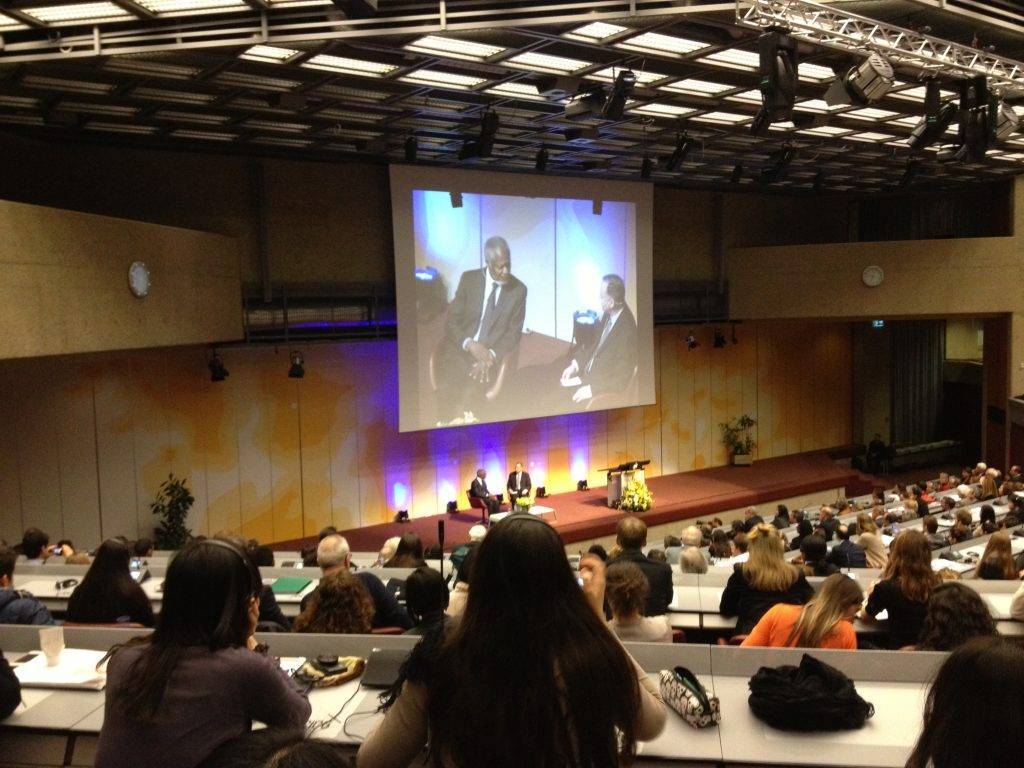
(147, 68)
(88, 108)
(78, 13)
(732, 58)
(269, 54)
(662, 110)
(176, 97)
(203, 135)
(726, 118)
(348, 66)
(825, 130)
(547, 63)
(870, 113)
(697, 87)
(65, 84)
(516, 91)
(820, 106)
(439, 79)
(193, 7)
(277, 125)
(191, 117)
(257, 82)
(664, 45)
(872, 136)
(100, 125)
(7, 23)
(917, 94)
(595, 32)
(643, 77)
(747, 97)
(815, 73)
(452, 48)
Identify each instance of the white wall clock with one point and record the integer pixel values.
(872, 276)
(138, 279)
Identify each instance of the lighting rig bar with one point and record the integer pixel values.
(832, 27)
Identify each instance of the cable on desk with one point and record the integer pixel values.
(319, 725)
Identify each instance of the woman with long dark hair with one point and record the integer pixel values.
(408, 553)
(108, 593)
(956, 614)
(906, 586)
(530, 675)
(198, 679)
(974, 714)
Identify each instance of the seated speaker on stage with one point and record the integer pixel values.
(519, 484)
(478, 490)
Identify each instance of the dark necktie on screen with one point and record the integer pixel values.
(604, 335)
(489, 309)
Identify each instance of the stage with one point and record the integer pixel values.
(583, 515)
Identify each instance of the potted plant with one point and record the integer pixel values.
(523, 504)
(636, 497)
(738, 440)
(172, 505)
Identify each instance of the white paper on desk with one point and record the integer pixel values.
(939, 563)
(77, 670)
(887, 540)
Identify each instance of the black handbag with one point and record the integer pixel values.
(811, 697)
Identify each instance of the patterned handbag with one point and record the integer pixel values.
(682, 691)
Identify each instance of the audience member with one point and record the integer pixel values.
(803, 529)
(631, 536)
(988, 488)
(408, 553)
(751, 519)
(17, 606)
(79, 558)
(974, 713)
(426, 599)
(108, 594)
(997, 560)
(762, 581)
(963, 528)
(955, 615)
(34, 544)
(673, 546)
(826, 621)
(333, 555)
(460, 592)
(271, 616)
(387, 550)
(781, 519)
(340, 605)
(847, 554)
(930, 527)
(564, 660)
(692, 537)
(720, 548)
(262, 555)
(277, 748)
(656, 555)
(692, 561)
(458, 554)
(142, 548)
(626, 592)
(906, 586)
(814, 551)
(176, 694)
(986, 521)
(870, 540)
(10, 689)
(827, 521)
(739, 544)
(597, 549)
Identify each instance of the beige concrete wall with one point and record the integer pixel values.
(64, 285)
(964, 338)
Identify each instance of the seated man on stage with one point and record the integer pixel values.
(519, 484)
(484, 323)
(606, 364)
(478, 490)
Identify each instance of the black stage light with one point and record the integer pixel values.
(719, 341)
(297, 369)
(217, 370)
(581, 485)
(541, 163)
(1004, 121)
(456, 199)
(596, 207)
(691, 342)
(974, 130)
(737, 174)
(483, 144)
(402, 516)
(452, 507)
(937, 119)
(621, 90)
(411, 148)
(913, 166)
(777, 76)
(542, 492)
(682, 150)
(589, 104)
(781, 160)
(862, 85)
(646, 167)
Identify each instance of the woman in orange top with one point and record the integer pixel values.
(824, 622)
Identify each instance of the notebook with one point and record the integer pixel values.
(289, 585)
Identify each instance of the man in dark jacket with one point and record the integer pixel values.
(631, 536)
(847, 554)
(17, 606)
(751, 519)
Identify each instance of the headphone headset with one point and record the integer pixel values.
(249, 567)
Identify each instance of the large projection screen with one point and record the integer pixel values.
(519, 296)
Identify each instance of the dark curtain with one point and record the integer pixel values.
(982, 212)
(918, 350)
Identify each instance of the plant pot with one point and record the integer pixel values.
(742, 459)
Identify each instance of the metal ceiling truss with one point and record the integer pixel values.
(833, 27)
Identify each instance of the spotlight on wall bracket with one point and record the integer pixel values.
(483, 144)
(684, 144)
(777, 76)
(864, 84)
(297, 369)
(411, 149)
(581, 485)
(621, 91)
(216, 365)
(691, 341)
(541, 162)
(719, 340)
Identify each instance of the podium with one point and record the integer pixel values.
(620, 476)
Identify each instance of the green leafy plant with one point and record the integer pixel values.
(736, 435)
(172, 505)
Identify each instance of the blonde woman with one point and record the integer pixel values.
(763, 580)
(871, 542)
(989, 490)
(824, 622)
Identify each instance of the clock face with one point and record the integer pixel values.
(138, 279)
(872, 276)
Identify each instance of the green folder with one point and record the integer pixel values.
(289, 585)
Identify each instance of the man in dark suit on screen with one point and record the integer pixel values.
(484, 323)
(605, 364)
(519, 484)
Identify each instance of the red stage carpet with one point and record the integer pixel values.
(584, 515)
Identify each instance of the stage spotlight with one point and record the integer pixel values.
(589, 104)
(691, 341)
(937, 119)
(483, 144)
(402, 516)
(621, 90)
(581, 485)
(913, 165)
(864, 84)
(217, 370)
(781, 160)
(1004, 121)
(541, 163)
(452, 507)
(777, 74)
(737, 174)
(411, 148)
(679, 154)
(974, 119)
(646, 167)
(542, 492)
(297, 369)
(719, 340)
(456, 199)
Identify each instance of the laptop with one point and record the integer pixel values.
(383, 666)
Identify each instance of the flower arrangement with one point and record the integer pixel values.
(523, 504)
(636, 497)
